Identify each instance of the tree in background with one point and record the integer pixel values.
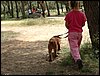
(47, 8)
(92, 14)
(42, 4)
(30, 5)
(67, 6)
(23, 9)
(8, 12)
(61, 6)
(38, 4)
(17, 9)
(58, 8)
(12, 10)
(3, 8)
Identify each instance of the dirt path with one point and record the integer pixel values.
(26, 53)
(44, 32)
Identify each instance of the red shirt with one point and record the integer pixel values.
(75, 20)
(33, 10)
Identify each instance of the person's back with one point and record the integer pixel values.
(74, 21)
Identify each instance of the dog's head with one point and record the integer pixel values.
(58, 36)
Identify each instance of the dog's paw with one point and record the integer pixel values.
(58, 53)
(59, 49)
(55, 56)
(50, 60)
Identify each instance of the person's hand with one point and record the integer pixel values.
(66, 25)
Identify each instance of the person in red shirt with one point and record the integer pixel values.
(33, 10)
(74, 21)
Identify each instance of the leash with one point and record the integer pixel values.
(66, 36)
(62, 34)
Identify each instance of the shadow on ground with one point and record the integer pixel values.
(20, 57)
(8, 35)
(29, 58)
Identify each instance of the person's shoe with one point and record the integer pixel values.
(79, 63)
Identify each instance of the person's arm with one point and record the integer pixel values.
(66, 25)
(83, 25)
(84, 19)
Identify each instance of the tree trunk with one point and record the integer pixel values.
(57, 7)
(67, 6)
(23, 9)
(30, 5)
(43, 8)
(17, 9)
(62, 7)
(38, 4)
(92, 14)
(12, 11)
(4, 11)
(47, 8)
(8, 8)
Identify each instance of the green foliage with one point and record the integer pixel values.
(86, 49)
(85, 70)
(51, 4)
(49, 73)
(34, 3)
(32, 22)
(87, 54)
(96, 41)
(91, 64)
(67, 60)
(40, 21)
(8, 35)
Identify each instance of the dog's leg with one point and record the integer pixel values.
(50, 55)
(58, 46)
(55, 52)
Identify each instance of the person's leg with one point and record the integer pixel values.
(79, 39)
(79, 61)
(73, 42)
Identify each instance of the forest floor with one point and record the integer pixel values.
(24, 50)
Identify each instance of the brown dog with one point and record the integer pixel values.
(54, 44)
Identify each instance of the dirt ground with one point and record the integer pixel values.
(26, 53)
